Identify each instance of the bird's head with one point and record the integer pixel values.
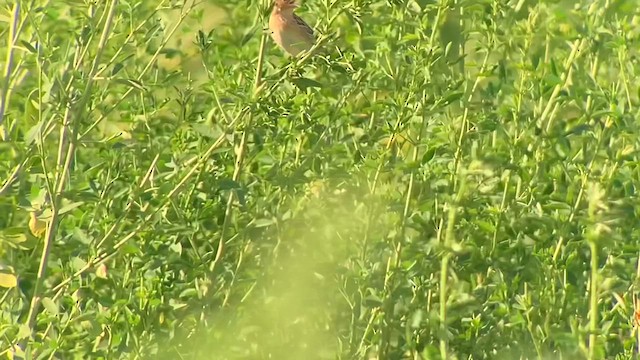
(285, 5)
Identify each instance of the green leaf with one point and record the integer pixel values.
(29, 47)
(304, 83)
(263, 222)
(14, 235)
(77, 263)
(130, 249)
(131, 83)
(50, 306)
(116, 68)
(247, 36)
(69, 206)
(189, 293)
(24, 331)
(81, 236)
(176, 305)
(33, 134)
(454, 96)
(429, 154)
(228, 184)
(177, 248)
(485, 226)
(416, 319)
(207, 130)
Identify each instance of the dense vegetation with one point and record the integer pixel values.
(444, 179)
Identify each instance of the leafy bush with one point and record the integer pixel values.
(442, 179)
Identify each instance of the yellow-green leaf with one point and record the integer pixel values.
(50, 305)
(8, 280)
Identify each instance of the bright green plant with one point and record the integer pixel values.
(444, 180)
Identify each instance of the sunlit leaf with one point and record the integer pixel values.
(8, 280)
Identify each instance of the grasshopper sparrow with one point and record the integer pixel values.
(288, 30)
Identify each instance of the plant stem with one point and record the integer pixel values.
(593, 301)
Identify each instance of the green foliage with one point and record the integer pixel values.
(442, 179)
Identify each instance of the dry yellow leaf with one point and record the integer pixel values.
(101, 271)
(36, 226)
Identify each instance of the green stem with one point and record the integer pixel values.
(68, 136)
(593, 303)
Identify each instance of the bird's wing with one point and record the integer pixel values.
(307, 29)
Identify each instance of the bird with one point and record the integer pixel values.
(288, 30)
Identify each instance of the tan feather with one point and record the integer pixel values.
(288, 30)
